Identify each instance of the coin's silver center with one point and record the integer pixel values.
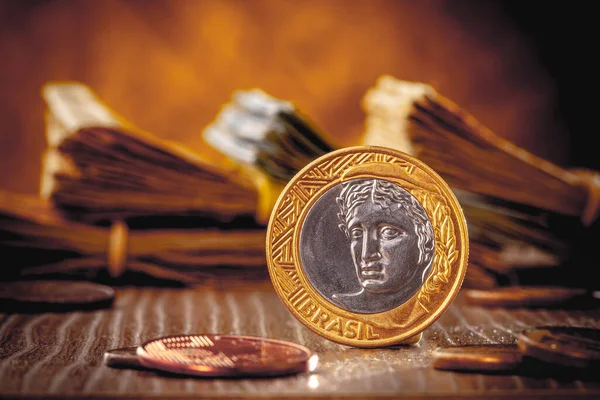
(367, 245)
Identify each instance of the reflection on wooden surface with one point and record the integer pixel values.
(61, 354)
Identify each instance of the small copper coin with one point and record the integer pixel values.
(523, 296)
(47, 295)
(125, 357)
(562, 345)
(478, 358)
(225, 356)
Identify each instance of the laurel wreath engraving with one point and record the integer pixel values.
(445, 249)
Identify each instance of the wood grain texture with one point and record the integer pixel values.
(59, 355)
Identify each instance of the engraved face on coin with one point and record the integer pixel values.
(378, 228)
(225, 355)
(367, 246)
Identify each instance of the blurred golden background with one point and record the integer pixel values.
(168, 66)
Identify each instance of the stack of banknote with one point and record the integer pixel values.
(99, 167)
(529, 220)
(41, 242)
(257, 129)
(109, 189)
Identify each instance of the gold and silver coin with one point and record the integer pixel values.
(367, 246)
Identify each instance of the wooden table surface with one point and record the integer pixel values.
(59, 355)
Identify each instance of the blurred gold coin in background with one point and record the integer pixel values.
(567, 346)
(526, 296)
(478, 358)
(367, 246)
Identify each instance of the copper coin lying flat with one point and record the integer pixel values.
(523, 296)
(47, 295)
(562, 345)
(125, 357)
(225, 356)
(482, 358)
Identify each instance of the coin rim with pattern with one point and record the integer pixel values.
(302, 364)
(392, 332)
(122, 357)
